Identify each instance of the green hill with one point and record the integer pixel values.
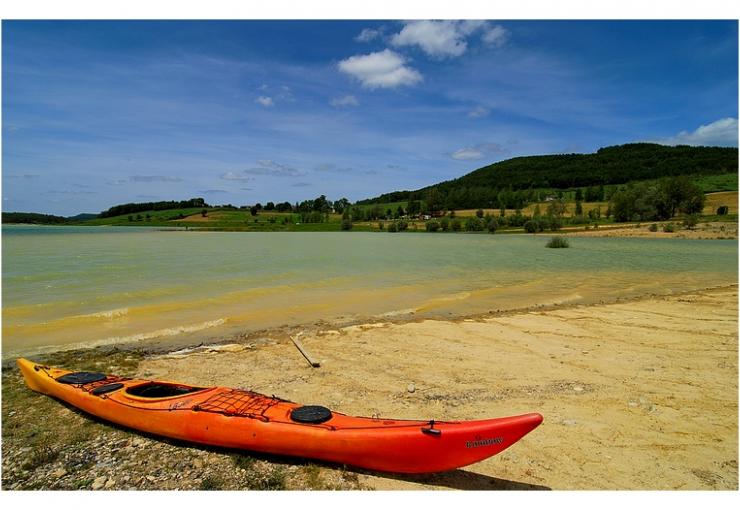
(608, 166)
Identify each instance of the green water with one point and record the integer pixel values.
(74, 286)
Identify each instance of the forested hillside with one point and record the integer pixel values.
(610, 165)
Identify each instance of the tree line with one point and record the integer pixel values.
(118, 210)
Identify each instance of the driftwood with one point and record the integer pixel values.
(305, 353)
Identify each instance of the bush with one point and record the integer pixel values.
(557, 242)
(722, 210)
(579, 220)
(479, 213)
(402, 225)
(530, 226)
(669, 227)
(653, 227)
(392, 227)
(456, 225)
(346, 224)
(473, 224)
(432, 226)
(555, 223)
(492, 225)
(444, 224)
(690, 221)
(380, 225)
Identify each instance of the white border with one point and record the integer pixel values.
(370, 9)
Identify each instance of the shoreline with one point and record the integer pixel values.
(707, 230)
(647, 383)
(158, 345)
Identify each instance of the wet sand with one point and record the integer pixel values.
(638, 394)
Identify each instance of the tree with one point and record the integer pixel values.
(204, 213)
(347, 224)
(269, 206)
(579, 195)
(479, 213)
(579, 208)
(253, 210)
(413, 208)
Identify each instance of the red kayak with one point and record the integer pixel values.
(234, 418)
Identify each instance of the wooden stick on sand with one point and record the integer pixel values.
(305, 353)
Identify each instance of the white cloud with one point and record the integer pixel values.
(495, 36)
(232, 176)
(265, 101)
(722, 132)
(344, 101)
(331, 167)
(154, 178)
(383, 69)
(438, 39)
(478, 111)
(269, 167)
(367, 35)
(479, 151)
(443, 39)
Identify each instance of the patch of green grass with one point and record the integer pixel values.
(40, 455)
(211, 483)
(714, 183)
(313, 477)
(272, 479)
(242, 461)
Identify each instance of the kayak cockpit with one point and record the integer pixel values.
(161, 390)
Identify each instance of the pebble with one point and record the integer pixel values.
(110, 483)
(411, 388)
(150, 478)
(59, 473)
(198, 464)
(578, 389)
(99, 482)
(569, 422)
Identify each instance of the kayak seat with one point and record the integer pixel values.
(161, 390)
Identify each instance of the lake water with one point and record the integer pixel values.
(75, 286)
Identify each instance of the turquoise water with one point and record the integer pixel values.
(72, 286)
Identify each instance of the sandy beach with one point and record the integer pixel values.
(708, 230)
(636, 395)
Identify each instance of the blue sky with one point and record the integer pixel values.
(97, 113)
